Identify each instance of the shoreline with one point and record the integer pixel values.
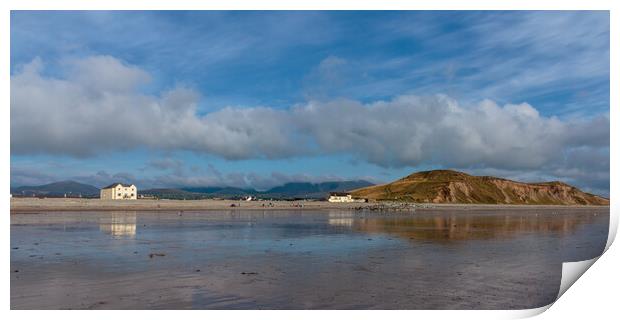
(36, 205)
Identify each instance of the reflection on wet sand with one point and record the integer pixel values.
(298, 260)
(119, 224)
(343, 222)
(459, 227)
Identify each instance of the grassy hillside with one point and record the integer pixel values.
(447, 186)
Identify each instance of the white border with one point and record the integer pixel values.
(585, 302)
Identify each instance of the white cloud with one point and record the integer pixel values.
(98, 107)
(81, 117)
(412, 130)
(102, 74)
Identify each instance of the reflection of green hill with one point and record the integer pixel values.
(444, 228)
(446, 186)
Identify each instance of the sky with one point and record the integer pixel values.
(260, 98)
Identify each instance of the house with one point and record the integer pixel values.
(119, 191)
(343, 197)
(339, 197)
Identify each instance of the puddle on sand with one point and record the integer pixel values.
(505, 259)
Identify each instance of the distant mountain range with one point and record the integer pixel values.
(447, 186)
(436, 186)
(287, 191)
(314, 190)
(57, 189)
(291, 190)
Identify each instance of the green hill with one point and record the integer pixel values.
(447, 186)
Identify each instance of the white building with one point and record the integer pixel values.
(339, 197)
(343, 197)
(119, 191)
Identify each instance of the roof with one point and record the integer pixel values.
(116, 184)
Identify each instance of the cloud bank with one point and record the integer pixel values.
(98, 107)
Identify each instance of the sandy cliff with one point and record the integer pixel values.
(446, 186)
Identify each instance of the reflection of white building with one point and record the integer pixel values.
(119, 191)
(343, 222)
(119, 225)
(338, 219)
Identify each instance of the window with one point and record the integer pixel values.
(119, 194)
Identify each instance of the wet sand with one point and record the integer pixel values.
(34, 205)
(298, 259)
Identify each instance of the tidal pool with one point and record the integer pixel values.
(435, 259)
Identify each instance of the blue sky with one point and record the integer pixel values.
(261, 98)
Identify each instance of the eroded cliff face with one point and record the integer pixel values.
(446, 186)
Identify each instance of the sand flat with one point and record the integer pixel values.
(292, 259)
(34, 205)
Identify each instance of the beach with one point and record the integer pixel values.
(298, 259)
(34, 205)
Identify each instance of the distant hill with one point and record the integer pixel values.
(160, 191)
(70, 188)
(221, 191)
(290, 190)
(313, 190)
(447, 186)
(168, 193)
(190, 193)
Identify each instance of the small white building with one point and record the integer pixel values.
(119, 191)
(340, 197)
(343, 197)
